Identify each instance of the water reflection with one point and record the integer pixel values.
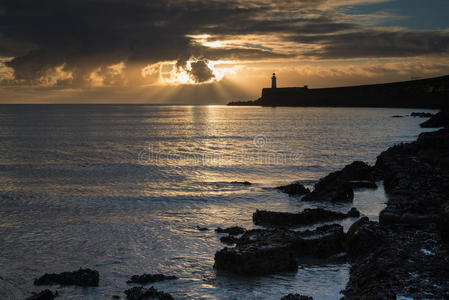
(74, 194)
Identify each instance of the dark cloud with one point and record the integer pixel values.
(366, 43)
(200, 71)
(87, 36)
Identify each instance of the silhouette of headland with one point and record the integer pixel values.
(423, 93)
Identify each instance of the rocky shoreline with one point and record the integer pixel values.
(404, 254)
(409, 252)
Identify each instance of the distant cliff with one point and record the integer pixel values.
(423, 93)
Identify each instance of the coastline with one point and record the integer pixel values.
(405, 254)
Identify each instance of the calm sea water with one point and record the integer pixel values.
(121, 189)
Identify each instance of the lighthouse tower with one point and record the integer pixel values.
(273, 81)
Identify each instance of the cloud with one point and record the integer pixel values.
(368, 43)
(78, 43)
(200, 71)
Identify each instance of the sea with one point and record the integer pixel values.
(122, 188)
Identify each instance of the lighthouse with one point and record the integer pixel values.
(273, 81)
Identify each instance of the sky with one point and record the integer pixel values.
(212, 51)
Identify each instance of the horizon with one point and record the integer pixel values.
(211, 53)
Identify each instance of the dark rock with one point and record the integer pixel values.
(353, 213)
(228, 240)
(405, 254)
(82, 277)
(356, 225)
(296, 297)
(115, 297)
(260, 252)
(334, 192)
(441, 119)
(295, 188)
(397, 116)
(421, 114)
(235, 230)
(359, 184)
(241, 182)
(150, 278)
(202, 228)
(390, 216)
(337, 187)
(444, 223)
(140, 293)
(43, 295)
(307, 217)
(363, 237)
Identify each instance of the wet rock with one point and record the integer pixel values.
(140, 293)
(441, 119)
(307, 217)
(391, 215)
(363, 184)
(235, 230)
(150, 278)
(421, 114)
(295, 188)
(43, 295)
(82, 277)
(333, 192)
(363, 237)
(260, 252)
(397, 116)
(241, 182)
(296, 297)
(202, 228)
(228, 240)
(444, 223)
(337, 186)
(353, 213)
(356, 225)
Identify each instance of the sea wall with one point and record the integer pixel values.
(425, 93)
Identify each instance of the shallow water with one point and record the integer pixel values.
(121, 189)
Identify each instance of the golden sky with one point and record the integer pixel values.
(212, 51)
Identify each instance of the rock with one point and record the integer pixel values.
(150, 278)
(356, 225)
(235, 230)
(295, 188)
(353, 213)
(140, 293)
(443, 224)
(441, 119)
(260, 252)
(390, 216)
(296, 297)
(43, 295)
(337, 186)
(241, 182)
(82, 277)
(334, 192)
(259, 261)
(421, 114)
(228, 240)
(202, 228)
(397, 116)
(307, 217)
(363, 237)
(115, 297)
(359, 184)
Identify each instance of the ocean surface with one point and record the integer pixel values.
(121, 189)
